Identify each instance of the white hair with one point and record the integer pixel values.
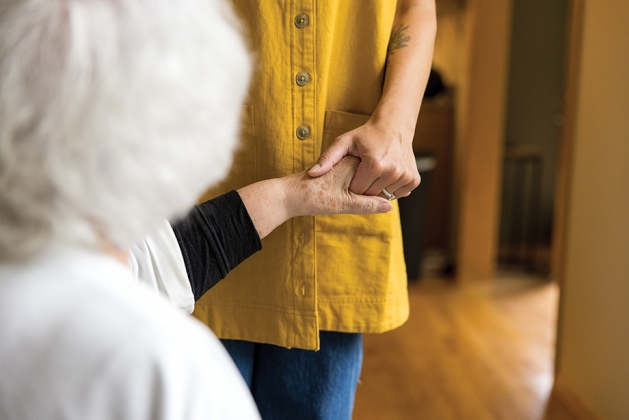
(114, 114)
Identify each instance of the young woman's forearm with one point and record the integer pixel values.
(409, 59)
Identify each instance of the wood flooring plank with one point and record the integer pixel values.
(467, 352)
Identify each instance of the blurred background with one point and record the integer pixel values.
(517, 240)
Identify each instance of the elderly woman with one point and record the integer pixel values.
(114, 116)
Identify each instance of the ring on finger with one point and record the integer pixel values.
(388, 195)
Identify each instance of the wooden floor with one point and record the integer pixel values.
(475, 352)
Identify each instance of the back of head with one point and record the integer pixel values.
(113, 115)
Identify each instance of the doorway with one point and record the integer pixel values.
(533, 130)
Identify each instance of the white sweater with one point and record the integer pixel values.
(80, 339)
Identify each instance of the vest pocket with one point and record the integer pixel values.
(243, 170)
(337, 123)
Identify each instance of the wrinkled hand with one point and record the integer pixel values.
(386, 160)
(330, 193)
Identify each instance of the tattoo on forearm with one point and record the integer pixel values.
(399, 39)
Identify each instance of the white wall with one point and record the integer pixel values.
(593, 348)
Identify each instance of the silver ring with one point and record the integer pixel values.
(388, 195)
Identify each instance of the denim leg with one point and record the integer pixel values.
(303, 384)
(242, 353)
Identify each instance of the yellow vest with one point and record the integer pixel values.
(320, 71)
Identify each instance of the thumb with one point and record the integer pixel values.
(330, 157)
(362, 204)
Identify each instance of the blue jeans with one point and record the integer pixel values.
(302, 384)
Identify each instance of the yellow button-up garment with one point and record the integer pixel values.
(320, 71)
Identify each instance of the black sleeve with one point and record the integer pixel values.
(214, 238)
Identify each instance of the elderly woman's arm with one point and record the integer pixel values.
(214, 238)
(219, 234)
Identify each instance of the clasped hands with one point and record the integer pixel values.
(330, 193)
(350, 176)
(348, 179)
(386, 158)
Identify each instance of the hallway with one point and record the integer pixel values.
(475, 352)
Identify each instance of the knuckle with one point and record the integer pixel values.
(377, 165)
(397, 173)
(324, 156)
(367, 207)
(413, 180)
